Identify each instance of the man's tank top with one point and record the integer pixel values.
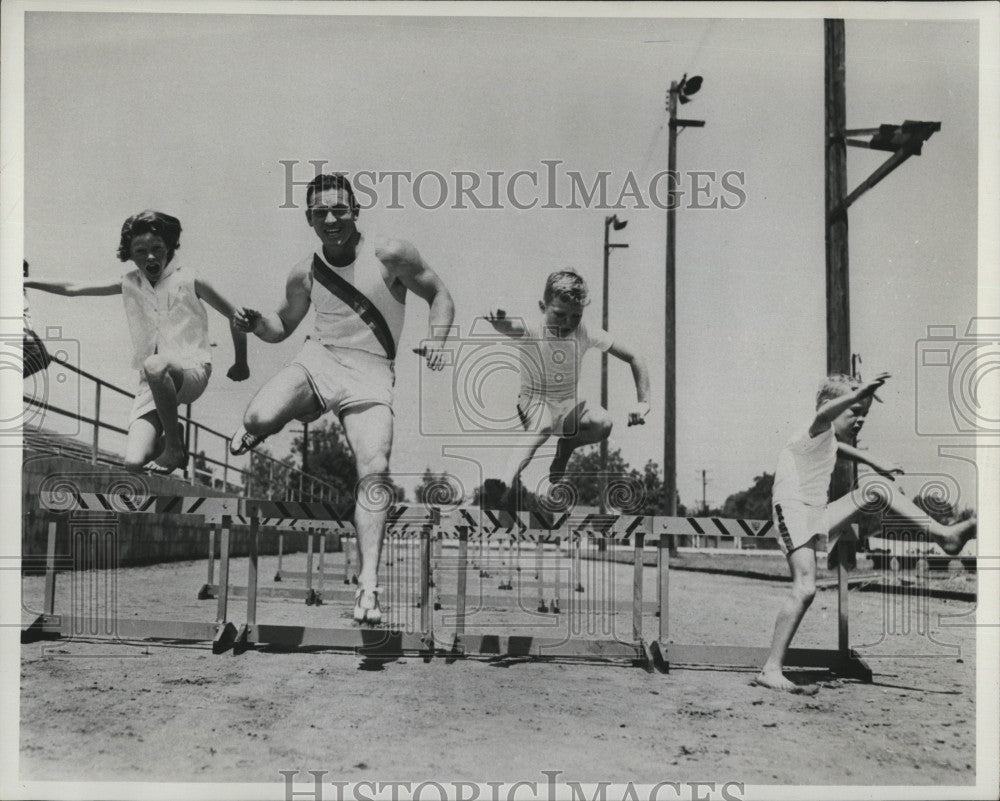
(354, 306)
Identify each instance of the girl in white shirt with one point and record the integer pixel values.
(169, 329)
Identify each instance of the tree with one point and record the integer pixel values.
(331, 460)
(753, 503)
(438, 489)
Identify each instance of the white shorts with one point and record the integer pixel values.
(801, 525)
(342, 378)
(538, 413)
(192, 387)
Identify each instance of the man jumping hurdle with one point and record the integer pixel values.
(358, 286)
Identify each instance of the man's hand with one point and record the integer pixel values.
(637, 416)
(239, 372)
(245, 319)
(435, 356)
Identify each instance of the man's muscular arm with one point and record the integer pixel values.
(279, 324)
(404, 263)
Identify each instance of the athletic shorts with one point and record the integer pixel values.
(343, 378)
(192, 387)
(801, 525)
(538, 413)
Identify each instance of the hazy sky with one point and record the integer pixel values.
(194, 115)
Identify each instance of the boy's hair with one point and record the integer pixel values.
(566, 285)
(322, 183)
(150, 222)
(835, 385)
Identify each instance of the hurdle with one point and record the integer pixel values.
(412, 530)
(310, 594)
(842, 660)
(220, 632)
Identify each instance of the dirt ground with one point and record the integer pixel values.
(95, 709)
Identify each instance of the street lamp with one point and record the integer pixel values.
(680, 91)
(611, 222)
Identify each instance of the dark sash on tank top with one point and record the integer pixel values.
(357, 300)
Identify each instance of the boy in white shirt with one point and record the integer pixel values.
(547, 403)
(805, 520)
(169, 329)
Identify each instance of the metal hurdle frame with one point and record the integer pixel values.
(637, 531)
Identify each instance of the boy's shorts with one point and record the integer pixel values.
(343, 378)
(538, 413)
(192, 387)
(801, 525)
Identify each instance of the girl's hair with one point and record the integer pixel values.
(566, 285)
(835, 385)
(150, 222)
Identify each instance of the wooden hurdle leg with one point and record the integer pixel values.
(463, 566)
(281, 553)
(539, 575)
(310, 592)
(556, 577)
(35, 631)
(225, 632)
(639, 541)
(319, 570)
(246, 636)
(851, 663)
(208, 590)
(662, 603)
(426, 613)
(345, 544)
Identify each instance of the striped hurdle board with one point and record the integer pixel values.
(622, 528)
(236, 509)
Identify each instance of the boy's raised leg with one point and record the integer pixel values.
(888, 495)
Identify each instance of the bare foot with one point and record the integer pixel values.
(777, 681)
(956, 537)
(171, 459)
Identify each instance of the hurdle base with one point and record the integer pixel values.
(847, 664)
(224, 638)
(40, 629)
(374, 642)
(51, 627)
(210, 591)
(527, 647)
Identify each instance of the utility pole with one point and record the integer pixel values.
(838, 297)
(903, 141)
(680, 92)
(618, 225)
(704, 499)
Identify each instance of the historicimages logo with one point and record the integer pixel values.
(43, 362)
(958, 380)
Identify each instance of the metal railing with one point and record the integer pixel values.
(283, 479)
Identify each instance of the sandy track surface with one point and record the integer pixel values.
(94, 709)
